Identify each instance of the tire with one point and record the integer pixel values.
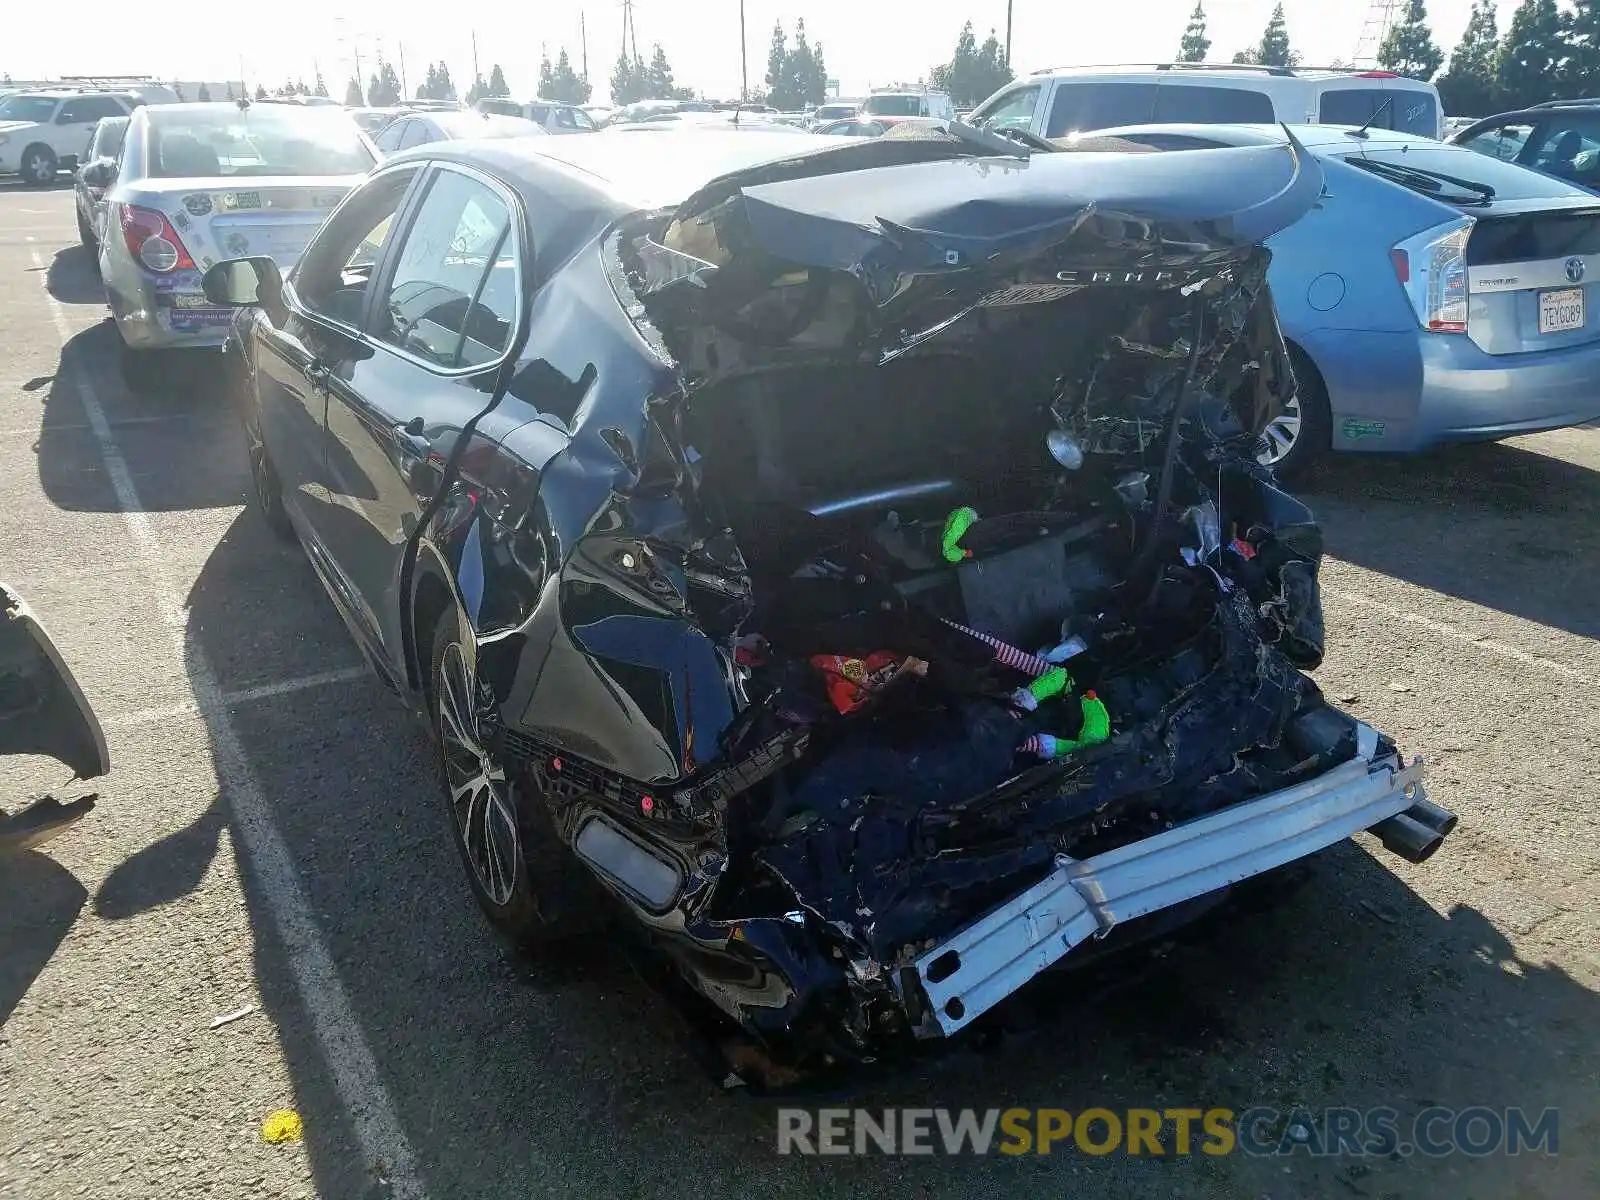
(1308, 422)
(38, 166)
(90, 242)
(267, 488)
(535, 894)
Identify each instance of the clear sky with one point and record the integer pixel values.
(866, 42)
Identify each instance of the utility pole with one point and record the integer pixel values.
(402, 70)
(474, 55)
(1008, 33)
(744, 58)
(583, 41)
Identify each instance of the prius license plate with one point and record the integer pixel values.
(1561, 311)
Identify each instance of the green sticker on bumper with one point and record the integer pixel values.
(1355, 430)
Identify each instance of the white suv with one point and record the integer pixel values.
(44, 132)
(1060, 102)
(908, 102)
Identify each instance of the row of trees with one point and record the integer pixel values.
(633, 79)
(796, 75)
(975, 72)
(1546, 53)
(1271, 51)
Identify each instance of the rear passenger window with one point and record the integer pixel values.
(1183, 102)
(1079, 107)
(452, 299)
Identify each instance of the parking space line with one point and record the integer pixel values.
(263, 691)
(69, 426)
(1488, 645)
(344, 1045)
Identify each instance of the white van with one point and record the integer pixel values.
(1058, 102)
(908, 102)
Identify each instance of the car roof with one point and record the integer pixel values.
(1313, 137)
(66, 93)
(192, 108)
(1234, 72)
(476, 124)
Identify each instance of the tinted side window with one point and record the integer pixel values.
(1212, 105)
(1083, 106)
(389, 138)
(334, 273)
(452, 296)
(1013, 110)
(1569, 147)
(418, 133)
(1504, 142)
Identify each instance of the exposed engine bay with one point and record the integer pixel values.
(998, 585)
(1104, 650)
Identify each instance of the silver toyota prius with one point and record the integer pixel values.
(199, 183)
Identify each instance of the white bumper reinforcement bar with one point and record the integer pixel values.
(984, 963)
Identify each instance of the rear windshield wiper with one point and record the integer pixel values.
(1430, 183)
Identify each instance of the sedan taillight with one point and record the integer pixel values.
(153, 241)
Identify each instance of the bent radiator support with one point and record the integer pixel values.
(990, 959)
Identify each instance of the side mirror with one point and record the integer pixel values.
(99, 174)
(245, 282)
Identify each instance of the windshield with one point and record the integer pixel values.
(1450, 168)
(834, 112)
(279, 140)
(893, 106)
(36, 109)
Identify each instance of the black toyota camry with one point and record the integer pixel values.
(851, 564)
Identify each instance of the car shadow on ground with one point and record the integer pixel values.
(72, 277)
(39, 901)
(573, 1076)
(157, 430)
(1471, 521)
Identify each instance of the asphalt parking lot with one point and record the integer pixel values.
(269, 838)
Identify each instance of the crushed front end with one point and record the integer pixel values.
(962, 620)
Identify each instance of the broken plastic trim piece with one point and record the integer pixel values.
(975, 969)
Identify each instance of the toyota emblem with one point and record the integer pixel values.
(1574, 269)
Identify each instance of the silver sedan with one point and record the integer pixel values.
(199, 183)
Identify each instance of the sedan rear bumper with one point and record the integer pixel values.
(993, 957)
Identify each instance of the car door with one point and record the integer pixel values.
(329, 292)
(444, 314)
(75, 122)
